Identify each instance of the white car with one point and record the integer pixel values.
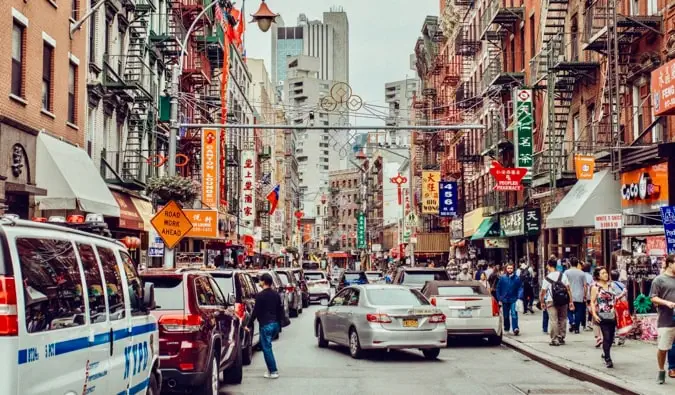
(74, 315)
(469, 308)
(375, 277)
(317, 285)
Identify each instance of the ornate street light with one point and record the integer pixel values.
(264, 17)
(399, 180)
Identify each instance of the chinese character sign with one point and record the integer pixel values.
(507, 179)
(430, 195)
(663, 89)
(532, 221)
(361, 231)
(524, 123)
(668, 218)
(210, 182)
(247, 198)
(448, 203)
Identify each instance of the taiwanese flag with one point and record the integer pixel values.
(273, 198)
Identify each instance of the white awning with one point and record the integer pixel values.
(71, 179)
(585, 200)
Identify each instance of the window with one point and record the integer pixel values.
(92, 38)
(576, 126)
(113, 281)
(206, 296)
(47, 76)
(396, 297)
(341, 298)
(18, 51)
(468, 290)
(225, 284)
(52, 284)
(522, 48)
(94, 280)
(74, 9)
(72, 92)
(220, 298)
(135, 285)
(637, 113)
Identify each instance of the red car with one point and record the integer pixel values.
(199, 333)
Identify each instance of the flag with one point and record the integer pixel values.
(273, 198)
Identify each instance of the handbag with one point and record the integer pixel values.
(607, 315)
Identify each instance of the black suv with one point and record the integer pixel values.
(416, 277)
(300, 276)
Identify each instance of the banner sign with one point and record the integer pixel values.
(512, 224)
(524, 123)
(663, 89)
(204, 223)
(496, 243)
(210, 180)
(361, 231)
(247, 198)
(508, 179)
(448, 203)
(430, 196)
(668, 218)
(645, 190)
(608, 221)
(532, 221)
(584, 165)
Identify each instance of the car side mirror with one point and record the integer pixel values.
(231, 300)
(324, 302)
(149, 297)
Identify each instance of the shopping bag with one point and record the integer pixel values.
(519, 306)
(624, 321)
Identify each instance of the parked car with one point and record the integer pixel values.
(380, 316)
(238, 287)
(318, 285)
(49, 335)
(375, 277)
(300, 276)
(196, 324)
(469, 308)
(277, 285)
(293, 291)
(351, 277)
(416, 277)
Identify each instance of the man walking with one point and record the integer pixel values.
(577, 281)
(493, 279)
(526, 274)
(269, 311)
(508, 288)
(663, 296)
(557, 297)
(464, 275)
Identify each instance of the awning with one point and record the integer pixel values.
(338, 255)
(129, 216)
(71, 179)
(585, 200)
(144, 209)
(488, 228)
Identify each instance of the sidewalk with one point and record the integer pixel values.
(634, 369)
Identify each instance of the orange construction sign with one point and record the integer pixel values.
(171, 224)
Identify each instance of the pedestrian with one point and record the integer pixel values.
(490, 269)
(577, 279)
(603, 299)
(526, 275)
(620, 291)
(508, 288)
(588, 319)
(484, 282)
(269, 311)
(480, 269)
(663, 296)
(557, 297)
(493, 279)
(464, 275)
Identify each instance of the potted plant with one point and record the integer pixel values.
(181, 189)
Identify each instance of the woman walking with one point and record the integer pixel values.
(484, 281)
(603, 298)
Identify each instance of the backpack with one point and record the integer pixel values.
(559, 292)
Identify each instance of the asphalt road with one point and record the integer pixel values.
(463, 368)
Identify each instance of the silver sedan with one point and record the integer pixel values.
(378, 316)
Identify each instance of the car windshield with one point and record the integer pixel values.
(225, 283)
(396, 297)
(356, 278)
(421, 277)
(284, 278)
(374, 275)
(297, 275)
(464, 290)
(314, 276)
(168, 292)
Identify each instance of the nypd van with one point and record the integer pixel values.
(74, 315)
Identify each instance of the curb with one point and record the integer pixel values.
(563, 366)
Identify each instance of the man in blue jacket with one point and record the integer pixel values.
(508, 289)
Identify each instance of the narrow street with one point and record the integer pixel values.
(474, 369)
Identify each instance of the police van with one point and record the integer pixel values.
(74, 315)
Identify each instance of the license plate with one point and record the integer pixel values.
(464, 313)
(410, 323)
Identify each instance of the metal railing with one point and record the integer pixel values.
(112, 166)
(492, 71)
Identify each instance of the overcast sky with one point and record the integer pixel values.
(382, 37)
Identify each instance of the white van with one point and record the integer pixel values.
(74, 316)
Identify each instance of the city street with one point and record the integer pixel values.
(474, 369)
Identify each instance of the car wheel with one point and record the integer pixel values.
(235, 374)
(211, 383)
(247, 353)
(323, 343)
(431, 353)
(153, 385)
(495, 340)
(354, 344)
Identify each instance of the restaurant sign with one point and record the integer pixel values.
(248, 179)
(663, 89)
(521, 222)
(430, 193)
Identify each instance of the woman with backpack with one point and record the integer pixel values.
(603, 299)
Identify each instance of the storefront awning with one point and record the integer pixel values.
(144, 209)
(338, 255)
(129, 216)
(586, 199)
(71, 179)
(488, 228)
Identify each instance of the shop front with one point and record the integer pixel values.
(521, 230)
(128, 224)
(490, 250)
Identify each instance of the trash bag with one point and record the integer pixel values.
(624, 321)
(519, 306)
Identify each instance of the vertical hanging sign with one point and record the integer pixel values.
(247, 198)
(210, 180)
(430, 180)
(448, 203)
(524, 123)
(361, 231)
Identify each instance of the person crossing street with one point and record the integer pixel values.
(269, 311)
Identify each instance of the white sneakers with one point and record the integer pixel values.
(269, 375)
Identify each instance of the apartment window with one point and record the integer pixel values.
(47, 76)
(533, 37)
(72, 93)
(637, 113)
(18, 51)
(576, 125)
(92, 38)
(74, 9)
(522, 48)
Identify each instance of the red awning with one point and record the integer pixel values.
(338, 255)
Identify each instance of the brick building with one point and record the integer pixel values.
(344, 203)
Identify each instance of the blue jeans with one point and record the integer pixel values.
(671, 358)
(267, 333)
(510, 316)
(577, 318)
(544, 323)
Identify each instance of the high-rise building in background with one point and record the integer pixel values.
(399, 96)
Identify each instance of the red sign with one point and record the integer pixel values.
(663, 89)
(508, 178)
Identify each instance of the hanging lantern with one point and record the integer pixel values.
(264, 17)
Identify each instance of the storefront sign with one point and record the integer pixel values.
(129, 216)
(645, 190)
(430, 196)
(155, 245)
(448, 203)
(584, 166)
(656, 245)
(512, 224)
(668, 218)
(361, 231)
(204, 223)
(532, 221)
(472, 221)
(524, 123)
(663, 89)
(210, 181)
(507, 179)
(608, 221)
(247, 199)
(496, 243)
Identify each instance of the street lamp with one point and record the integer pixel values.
(264, 17)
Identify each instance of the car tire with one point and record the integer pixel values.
(431, 353)
(495, 340)
(235, 374)
(322, 342)
(153, 385)
(211, 383)
(247, 353)
(354, 344)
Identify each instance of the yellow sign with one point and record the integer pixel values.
(204, 223)
(584, 166)
(171, 224)
(430, 198)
